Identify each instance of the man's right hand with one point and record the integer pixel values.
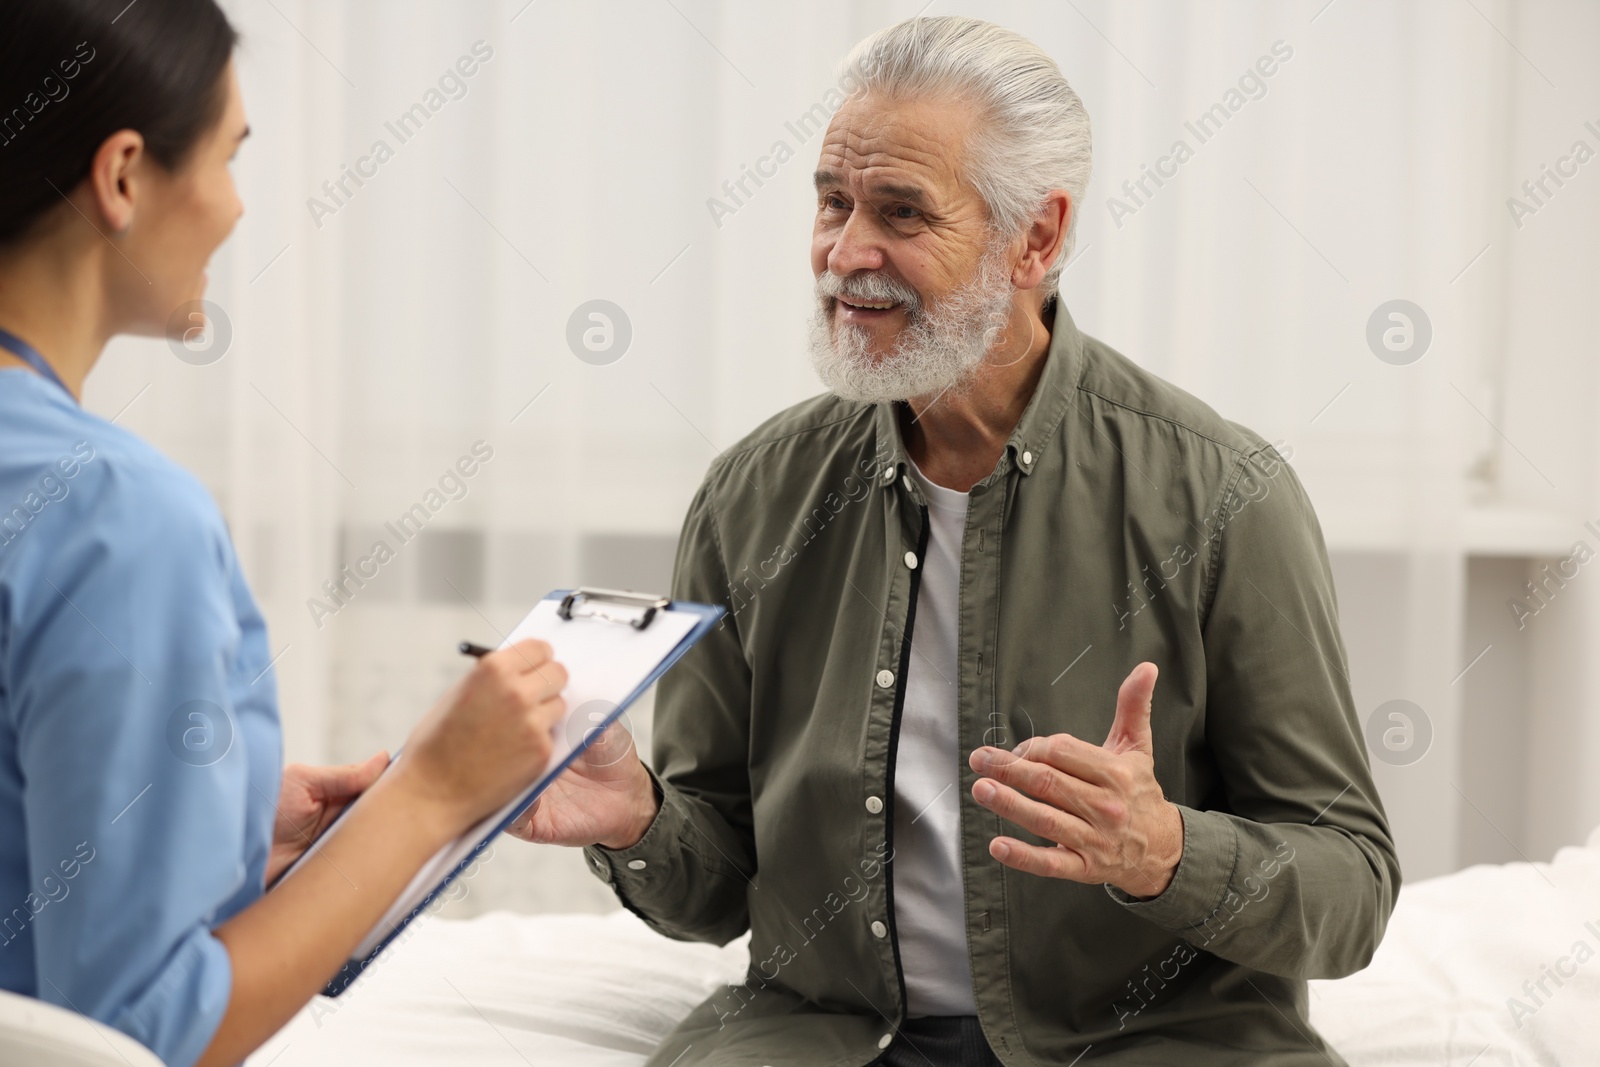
(605, 798)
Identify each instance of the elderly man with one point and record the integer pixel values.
(926, 761)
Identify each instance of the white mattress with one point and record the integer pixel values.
(588, 990)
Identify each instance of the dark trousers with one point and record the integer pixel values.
(940, 1041)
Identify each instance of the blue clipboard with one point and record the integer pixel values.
(636, 610)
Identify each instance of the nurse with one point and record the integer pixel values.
(143, 805)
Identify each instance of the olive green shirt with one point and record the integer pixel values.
(1125, 521)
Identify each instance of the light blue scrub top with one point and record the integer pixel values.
(140, 751)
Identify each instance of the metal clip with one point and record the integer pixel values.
(649, 602)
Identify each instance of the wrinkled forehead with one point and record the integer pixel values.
(878, 145)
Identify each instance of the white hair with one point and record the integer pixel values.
(1034, 132)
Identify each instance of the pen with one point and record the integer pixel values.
(467, 648)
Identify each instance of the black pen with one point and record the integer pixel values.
(467, 648)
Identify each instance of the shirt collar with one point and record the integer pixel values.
(1041, 419)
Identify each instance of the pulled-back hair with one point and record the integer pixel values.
(73, 72)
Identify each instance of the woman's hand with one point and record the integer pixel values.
(487, 738)
(605, 798)
(309, 799)
(481, 745)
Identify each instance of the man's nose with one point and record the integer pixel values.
(858, 246)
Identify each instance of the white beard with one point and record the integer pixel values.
(939, 351)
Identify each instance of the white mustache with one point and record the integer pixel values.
(867, 287)
(939, 349)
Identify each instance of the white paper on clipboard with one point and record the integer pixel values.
(606, 662)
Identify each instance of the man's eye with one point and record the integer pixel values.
(835, 203)
(905, 212)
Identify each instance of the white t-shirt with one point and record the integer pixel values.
(929, 913)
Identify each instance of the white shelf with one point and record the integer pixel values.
(1508, 531)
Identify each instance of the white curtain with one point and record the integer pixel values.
(655, 154)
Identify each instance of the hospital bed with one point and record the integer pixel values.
(1490, 966)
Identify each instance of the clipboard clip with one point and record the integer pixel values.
(648, 604)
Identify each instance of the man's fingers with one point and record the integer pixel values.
(1070, 755)
(1032, 815)
(1035, 778)
(613, 744)
(1130, 729)
(1045, 862)
(522, 829)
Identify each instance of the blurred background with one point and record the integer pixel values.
(1378, 247)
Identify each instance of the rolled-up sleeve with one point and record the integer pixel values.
(133, 763)
(1294, 871)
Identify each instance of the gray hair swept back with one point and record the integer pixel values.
(1036, 134)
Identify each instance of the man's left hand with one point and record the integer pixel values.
(1100, 804)
(309, 799)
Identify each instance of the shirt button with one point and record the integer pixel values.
(874, 805)
(879, 930)
(888, 475)
(636, 865)
(1027, 459)
(905, 480)
(911, 560)
(884, 1041)
(885, 679)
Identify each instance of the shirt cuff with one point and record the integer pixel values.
(629, 869)
(1210, 856)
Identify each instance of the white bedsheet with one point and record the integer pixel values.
(511, 990)
(1457, 949)
(600, 991)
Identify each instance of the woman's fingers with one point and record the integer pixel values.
(353, 779)
(530, 654)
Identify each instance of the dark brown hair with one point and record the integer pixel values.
(73, 72)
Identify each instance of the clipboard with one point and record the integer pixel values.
(625, 632)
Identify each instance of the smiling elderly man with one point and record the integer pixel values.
(926, 762)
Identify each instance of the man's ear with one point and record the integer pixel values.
(1044, 239)
(113, 181)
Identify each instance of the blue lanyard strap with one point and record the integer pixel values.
(30, 355)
